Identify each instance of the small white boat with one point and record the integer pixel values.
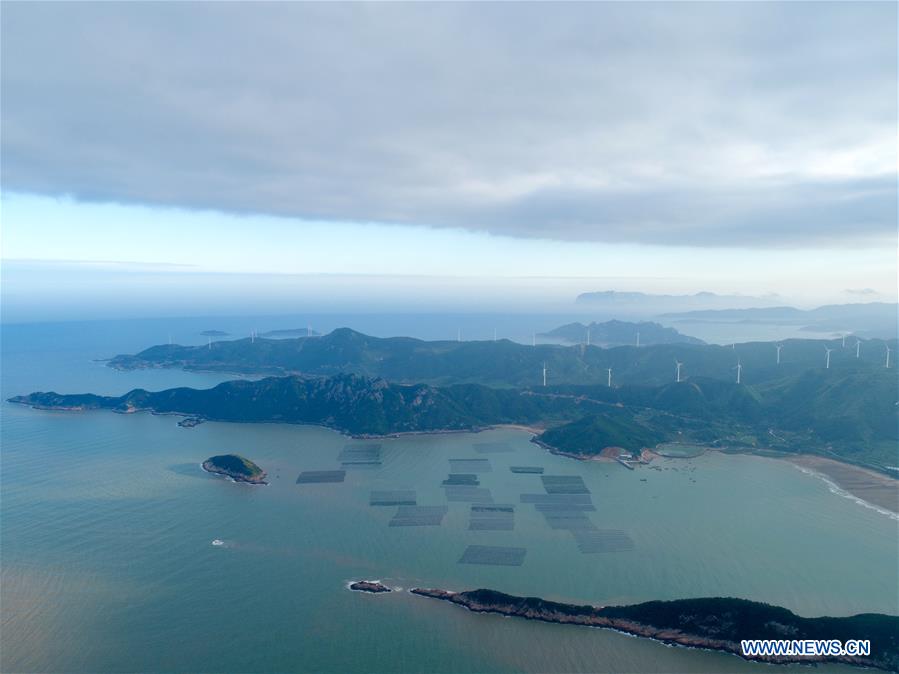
(218, 541)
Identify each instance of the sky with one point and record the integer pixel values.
(394, 152)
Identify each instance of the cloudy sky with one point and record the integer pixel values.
(720, 146)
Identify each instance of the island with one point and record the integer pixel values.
(214, 333)
(236, 467)
(619, 333)
(372, 586)
(716, 623)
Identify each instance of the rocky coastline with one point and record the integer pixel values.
(371, 586)
(713, 624)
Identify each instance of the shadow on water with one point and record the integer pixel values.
(191, 470)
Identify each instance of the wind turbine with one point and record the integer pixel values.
(544, 373)
(638, 338)
(844, 341)
(888, 358)
(739, 369)
(677, 375)
(779, 347)
(494, 334)
(610, 376)
(210, 343)
(170, 339)
(858, 347)
(827, 351)
(459, 335)
(588, 335)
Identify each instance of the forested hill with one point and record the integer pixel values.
(506, 363)
(852, 415)
(620, 333)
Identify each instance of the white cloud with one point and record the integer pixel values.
(749, 124)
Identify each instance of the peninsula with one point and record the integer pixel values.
(236, 467)
(715, 623)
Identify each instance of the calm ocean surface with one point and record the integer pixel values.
(107, 523)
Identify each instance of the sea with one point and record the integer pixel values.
(107, 523)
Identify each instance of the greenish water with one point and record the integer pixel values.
(107, 562)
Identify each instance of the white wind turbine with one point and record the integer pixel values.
(888, 358)
(739, 369)
(844, 341)
(459, 335)
(544, 373)
(827, 363)
(610, 376)
(779, 347)
(858, 347)
(677, 373)
(588, 335)
(638, 338)
(210, 342)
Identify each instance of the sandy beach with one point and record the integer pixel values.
(868, 485)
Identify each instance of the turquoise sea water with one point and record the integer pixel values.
(107, 522)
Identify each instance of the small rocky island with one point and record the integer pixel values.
(190, 422)
(373, 586)
(715, 623)
(236, 467)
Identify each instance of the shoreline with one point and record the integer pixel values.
(600, 617)
(873, 489)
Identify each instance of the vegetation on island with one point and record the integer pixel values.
(236, 467)
(846, 411)
(620, 333)
(717, 623)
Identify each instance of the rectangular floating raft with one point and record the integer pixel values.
(419, 516)
(564, 484)
(462, 478)
(536, 470)
(468, 494)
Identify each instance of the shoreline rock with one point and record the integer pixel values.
(371, 586)
(724, 621)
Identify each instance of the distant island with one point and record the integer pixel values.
(291, 332)
(236, 467)
(636, 303)
(868, 319)
(620, 333)
(712, 623)
(214, 333)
